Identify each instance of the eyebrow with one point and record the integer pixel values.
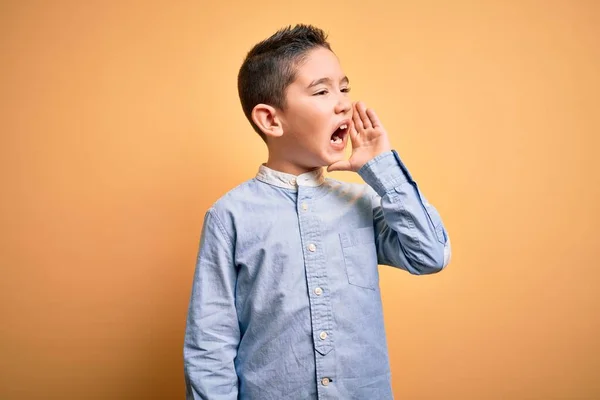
(328, 81)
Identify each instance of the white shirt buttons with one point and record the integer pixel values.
(323, 335)
(312, 247)
(304, 206)
(325, 381)
(318, 291)
(293, 182)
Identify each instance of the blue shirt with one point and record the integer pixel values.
(285, 300)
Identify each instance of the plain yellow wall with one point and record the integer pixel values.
(120, 125)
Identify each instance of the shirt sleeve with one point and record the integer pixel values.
(409, 232)
(212, 331)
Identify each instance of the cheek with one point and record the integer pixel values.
(313, 112)
(320, 122)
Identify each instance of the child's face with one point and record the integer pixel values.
(317, 106)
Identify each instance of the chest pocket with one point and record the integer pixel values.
(360, 257)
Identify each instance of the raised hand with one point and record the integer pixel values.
(368, 137)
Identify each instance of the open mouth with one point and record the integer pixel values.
(337, 138)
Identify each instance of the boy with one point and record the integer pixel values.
(285, 301)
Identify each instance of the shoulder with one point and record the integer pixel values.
(232, 199)
(235, 195)
(242, 203)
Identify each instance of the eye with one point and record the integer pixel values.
(346, 90)
(321, 93)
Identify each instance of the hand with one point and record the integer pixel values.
(368, 137)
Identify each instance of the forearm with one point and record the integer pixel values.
(410, 232)
(209, 367)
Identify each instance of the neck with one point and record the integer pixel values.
(288, 167)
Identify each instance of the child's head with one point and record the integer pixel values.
(295, 95)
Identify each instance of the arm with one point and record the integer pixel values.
(409, 232)
(212, 331)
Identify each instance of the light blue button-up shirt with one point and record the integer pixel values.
(285, 301)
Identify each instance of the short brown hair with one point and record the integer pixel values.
(271, 65)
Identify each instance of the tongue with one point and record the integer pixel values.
(336, 134)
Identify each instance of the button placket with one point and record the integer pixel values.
(316, 275)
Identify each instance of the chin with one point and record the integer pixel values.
(332, 158)
(325, 158)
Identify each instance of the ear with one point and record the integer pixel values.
(267, 119)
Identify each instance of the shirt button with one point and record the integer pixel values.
(325, 381)
(323, 335)
(312, 247)
(304, 206)
(318, 291)
(292, 181)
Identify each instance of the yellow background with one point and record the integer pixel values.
(120, 125)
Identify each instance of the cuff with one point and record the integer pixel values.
(385, 172)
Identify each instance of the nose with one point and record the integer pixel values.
(344, 105)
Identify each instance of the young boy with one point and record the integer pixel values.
(285, 301)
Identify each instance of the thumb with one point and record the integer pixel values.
(343, 165)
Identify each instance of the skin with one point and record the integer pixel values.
(299, 136)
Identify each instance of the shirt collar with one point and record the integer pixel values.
(288, 181)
